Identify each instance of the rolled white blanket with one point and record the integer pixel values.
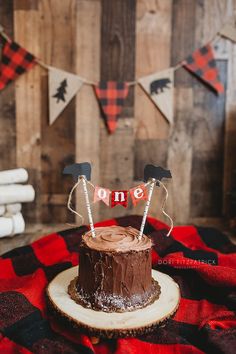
(18, 175)
(13, 225)
(13, 208)
(2, 210)
(16, 193)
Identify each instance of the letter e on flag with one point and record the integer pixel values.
(138, 193)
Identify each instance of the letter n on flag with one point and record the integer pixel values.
(111, 96)
(138, 193)
(202, 64)
(160, 88)
(15, 61)
(119, 197)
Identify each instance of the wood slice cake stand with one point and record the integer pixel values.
(113, 325)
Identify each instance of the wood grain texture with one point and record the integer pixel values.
(153, 50)
(7, 101)
(227, 50)
(58, 34)
(28, 102)
(122, 40)
(153, 40)
(117, 63)
(208, 119)
(208, 145)
(118, 45)
(180, 146)
(87, 109)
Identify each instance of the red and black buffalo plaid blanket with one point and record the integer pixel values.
(201, 260)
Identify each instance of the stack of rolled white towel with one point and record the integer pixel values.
(12, 194)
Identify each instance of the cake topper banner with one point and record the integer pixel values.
(152, 176)
(120, 197)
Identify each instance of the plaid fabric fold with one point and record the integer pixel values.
(202, 64)
(201, 260)
(15, 60)
(111, 96)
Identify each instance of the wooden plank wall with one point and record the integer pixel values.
(104, 39)
(7, 102)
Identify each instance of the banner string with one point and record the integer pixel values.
(214, 39)
(69, 202)
(152, 183)
(163, 210)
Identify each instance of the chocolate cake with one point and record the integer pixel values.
(114, 271)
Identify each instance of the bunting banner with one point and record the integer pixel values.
(15, 60)
(228, 31)
(63, 86)
(160, 88)
(138, 193)
(111, 96)
(103, 194)
(119, 197)
(202, 64)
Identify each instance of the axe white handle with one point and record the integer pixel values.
(88, 207)
(146, 209)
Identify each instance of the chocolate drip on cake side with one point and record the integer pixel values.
(115, 271)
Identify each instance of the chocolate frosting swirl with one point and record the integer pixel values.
(116, 238)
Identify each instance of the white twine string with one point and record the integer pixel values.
(69, 201)
(152, 184)
(163, 211)
(88, 206)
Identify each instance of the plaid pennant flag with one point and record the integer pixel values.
(15, 60)
(111, 95)
(202, 64)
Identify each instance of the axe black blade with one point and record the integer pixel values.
(157, 172)
(78, 169)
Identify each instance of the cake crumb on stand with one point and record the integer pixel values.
(95, 340)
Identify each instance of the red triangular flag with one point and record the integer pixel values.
(119, 197)
(138, 193)
(111, 95)
(15, 61)
(202, 64)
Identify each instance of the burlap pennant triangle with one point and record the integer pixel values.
(160, 88)
(63, 86)
(229, 31)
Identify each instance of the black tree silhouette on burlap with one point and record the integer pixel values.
(61, 91)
